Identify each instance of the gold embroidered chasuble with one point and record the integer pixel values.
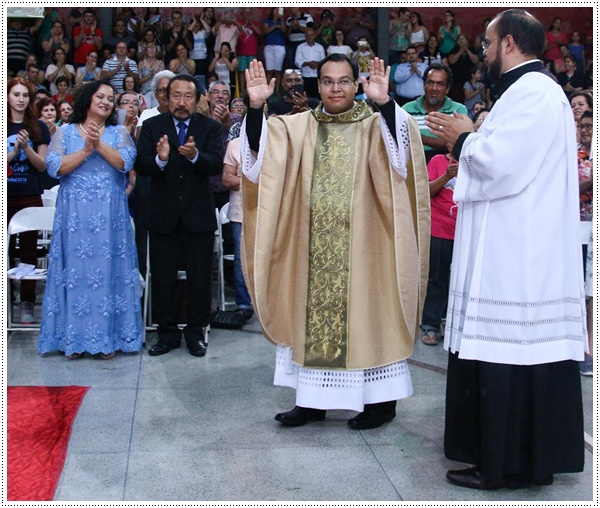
(336, 242)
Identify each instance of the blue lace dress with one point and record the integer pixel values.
(92, 297)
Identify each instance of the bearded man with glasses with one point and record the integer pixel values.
(336, 233)
(516, 323)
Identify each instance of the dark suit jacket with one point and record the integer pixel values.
(181, 190)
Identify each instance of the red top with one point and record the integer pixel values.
(443, 207)
(247, 43)
(87, 44)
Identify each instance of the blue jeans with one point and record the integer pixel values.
(242, 298)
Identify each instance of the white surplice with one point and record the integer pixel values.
(516, 288)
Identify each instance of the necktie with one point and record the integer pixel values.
(182, 128)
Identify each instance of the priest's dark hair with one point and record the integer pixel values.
(83, 101)
(337, 57)
(526, 30)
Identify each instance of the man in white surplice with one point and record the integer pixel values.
(516, 326)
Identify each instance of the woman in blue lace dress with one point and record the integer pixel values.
(92, 298)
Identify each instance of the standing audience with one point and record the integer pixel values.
(247, 46)
(59, 67)
(48, 114)
(442, 171)
(27, 143)
(308, 56)
(274, 29)
(92, 298)
(448, 33)
(554, 39)
(90, 71)
(179, 151)
(86, 37)
(119, 66)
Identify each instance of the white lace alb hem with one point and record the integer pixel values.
(342, 389)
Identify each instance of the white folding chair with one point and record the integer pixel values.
(55, 188)
(222, 219)
(37, 218)
(49, 197)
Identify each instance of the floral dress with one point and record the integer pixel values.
(92, 298)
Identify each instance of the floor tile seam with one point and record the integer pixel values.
(383, 470)
(133, 420)
(251, 448)
(427, 366)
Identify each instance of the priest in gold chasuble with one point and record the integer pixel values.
(336, 243)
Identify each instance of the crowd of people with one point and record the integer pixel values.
(351, 164)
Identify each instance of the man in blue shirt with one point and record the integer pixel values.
(409, 78)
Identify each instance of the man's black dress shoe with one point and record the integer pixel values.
(472, 479)
(162, 348)
(373, 416)
(196, 347)
(300, 415)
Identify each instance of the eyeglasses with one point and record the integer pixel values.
(292, 71)
(237, 106)
(127, 102)
(344, 83)
(161, 91)
(487, 43)
(586, 126)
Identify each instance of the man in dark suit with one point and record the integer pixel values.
(180, 150)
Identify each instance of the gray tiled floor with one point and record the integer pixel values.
(179, 428)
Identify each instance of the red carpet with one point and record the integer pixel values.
(38, 429)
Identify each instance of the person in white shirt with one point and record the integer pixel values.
(308, 56)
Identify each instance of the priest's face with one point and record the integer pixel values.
(337, 87)
(493, 52)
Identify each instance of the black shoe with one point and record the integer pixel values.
(374, 415)
(196, 347)
(472, 479)
(162, 348)
(300, 415)
(245, 314)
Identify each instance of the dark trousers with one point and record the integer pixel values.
(438, 285)
(195, 251)
(27, 252)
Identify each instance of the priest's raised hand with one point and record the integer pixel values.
(256, 84)
(377, 86)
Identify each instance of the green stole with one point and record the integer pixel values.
(338, 141)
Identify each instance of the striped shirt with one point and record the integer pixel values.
(117, 80)
(417, 110)
(18, 43)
